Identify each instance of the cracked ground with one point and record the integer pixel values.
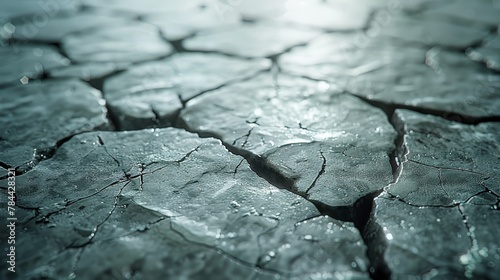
(214, 139)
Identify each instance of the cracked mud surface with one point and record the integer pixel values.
(251, 140)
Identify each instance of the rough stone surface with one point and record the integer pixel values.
(250, 40)
(62, 24)
(441, 214)
(36, 116)
(176, 25)
(297, 126)
(249, 225)
(432, 79)
(152, 94)
(29, 61)
(130, 42)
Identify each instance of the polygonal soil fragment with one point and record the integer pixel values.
(249, 40)
(62, 24)
(212, 202)
(151, 94)
(128, 42)
(330, 147)
(175, 25)
(440, 217)
(391, 72)
(23, 62)
(36, 116)
(334, 241)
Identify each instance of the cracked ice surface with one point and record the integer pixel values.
(115, 199)
(328, 146)
(440, 217)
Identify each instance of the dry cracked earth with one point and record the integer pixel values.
(247, 139)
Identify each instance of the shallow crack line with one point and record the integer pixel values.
(321, 172)
(447, 168)
(98, 226)
(46, 154)
(121, 180)
(472, 252)
(468, 200)
(259, 262)
(184, 158)
(441, 184)
(398, 198)
(227, 255)
(71, 202)
(246, 136)
(447, 115)
(141, 178)
(136, 231)
(101, 142)
(488, 189)
(226, 84)
(238, 166)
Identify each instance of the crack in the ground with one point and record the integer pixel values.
(127, 178)
(448, 115)
(229, 256)
(467, 260)
(321, 172)
(358, 213)
(449, 168)
(47, 153)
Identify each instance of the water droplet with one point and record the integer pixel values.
(235, 204)
(24, 80)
